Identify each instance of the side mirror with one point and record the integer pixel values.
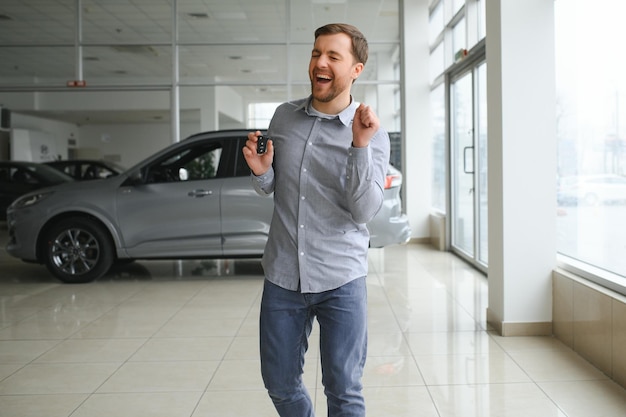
(134, 178)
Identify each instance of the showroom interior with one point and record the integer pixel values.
(509, 299)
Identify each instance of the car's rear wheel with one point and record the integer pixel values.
(78, 250)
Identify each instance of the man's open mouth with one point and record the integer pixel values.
(323, 79)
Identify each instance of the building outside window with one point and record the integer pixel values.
(591, 133)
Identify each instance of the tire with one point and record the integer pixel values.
(78, 250)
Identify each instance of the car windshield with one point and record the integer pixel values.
(52, 175)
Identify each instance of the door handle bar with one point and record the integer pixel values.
(465, 170)
(199, 193)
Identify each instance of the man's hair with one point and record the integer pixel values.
(359, 43)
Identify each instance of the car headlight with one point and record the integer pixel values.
(30, 200)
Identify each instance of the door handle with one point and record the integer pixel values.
(199, 193)
(465, 170)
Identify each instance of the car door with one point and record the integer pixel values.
(175, 211)
(246, 215)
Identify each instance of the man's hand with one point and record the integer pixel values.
(364, 125)
(259, 164)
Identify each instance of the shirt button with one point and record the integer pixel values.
(302, 197)
(303, 169)
(301, 253)
(301, 226)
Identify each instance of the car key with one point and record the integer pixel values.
(261, 145)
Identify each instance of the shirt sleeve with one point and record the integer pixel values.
(264, 184)
(365, 177)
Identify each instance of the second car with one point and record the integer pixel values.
(193, 199)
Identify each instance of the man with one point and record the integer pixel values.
(326, 164)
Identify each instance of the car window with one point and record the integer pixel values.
(69, 170)
(23, 176)
(204, 166)
(190, 164)
(242, 169)
(5, 175)
(93, 171)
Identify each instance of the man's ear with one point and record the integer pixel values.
(357, 70)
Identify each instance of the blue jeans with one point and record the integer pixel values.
(286, 322)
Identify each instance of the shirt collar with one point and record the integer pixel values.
(345, 116)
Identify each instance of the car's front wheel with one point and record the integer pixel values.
(78, 250)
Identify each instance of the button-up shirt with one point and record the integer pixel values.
(325, 191)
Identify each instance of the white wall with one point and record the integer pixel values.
(130, 143)
(522, 155)
(124, 143)
(32, 145)
(416, 130)
(58, 132)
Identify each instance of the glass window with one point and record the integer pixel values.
(436, 62)
(459, 36)
(462, 163)
(126, 21)
(482, 24)
(438, 107)
(240, 64)
(260, 114)
(32, 23)
(435, 23)
(321, 12)
(482, 185)
(127, 64)
(456, 6)
(127, 47)
(228, 21)
(35, 65)
(591, 133)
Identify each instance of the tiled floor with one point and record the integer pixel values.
(179, 339)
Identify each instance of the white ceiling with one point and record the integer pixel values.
(258, 47)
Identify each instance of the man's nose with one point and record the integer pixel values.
(322, 61)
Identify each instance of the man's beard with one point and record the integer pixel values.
(335, 91)
(327, 97)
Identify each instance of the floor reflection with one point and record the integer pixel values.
(180, 338)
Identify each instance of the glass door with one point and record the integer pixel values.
(462, 136)
(468, 139)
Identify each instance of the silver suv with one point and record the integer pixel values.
(193, 199)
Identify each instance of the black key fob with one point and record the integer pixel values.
(261, 145)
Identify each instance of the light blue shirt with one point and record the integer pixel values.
(325, 191)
